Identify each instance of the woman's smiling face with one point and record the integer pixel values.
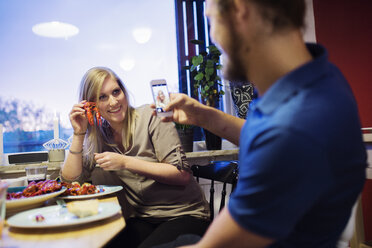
(112, 102)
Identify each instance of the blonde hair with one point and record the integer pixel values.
(98, 136)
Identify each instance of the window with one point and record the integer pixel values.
(192, 24)
(41, 75)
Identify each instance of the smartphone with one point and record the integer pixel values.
(160, 94)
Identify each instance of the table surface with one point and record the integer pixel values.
(94, 234)
(197, 157)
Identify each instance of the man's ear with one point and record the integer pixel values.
(241, 9)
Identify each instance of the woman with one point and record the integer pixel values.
(145, 154)
(161, 100)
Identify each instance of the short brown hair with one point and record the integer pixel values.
(280, 13)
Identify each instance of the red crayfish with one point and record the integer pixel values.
(76, 189)
(35, 189)
(40, 188)
(91, 107)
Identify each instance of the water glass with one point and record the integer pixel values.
(36, 173)
(3, 190)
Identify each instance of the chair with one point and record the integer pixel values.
(221, 171)
(346, 238)
(358, 239)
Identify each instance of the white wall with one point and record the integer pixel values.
(309, 32)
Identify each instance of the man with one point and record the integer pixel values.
(302, 160)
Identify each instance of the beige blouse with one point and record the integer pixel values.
(157, 141)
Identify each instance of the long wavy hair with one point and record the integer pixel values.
(98, 137)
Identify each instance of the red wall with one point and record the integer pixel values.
(344, 27)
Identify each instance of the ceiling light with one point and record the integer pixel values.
(127, 64)
(142, 35)
(55, 29)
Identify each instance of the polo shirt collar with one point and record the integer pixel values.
(292, 82)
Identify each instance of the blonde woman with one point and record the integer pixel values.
(144, 153)
(161, 99)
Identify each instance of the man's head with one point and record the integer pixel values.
(280, 13)
(231, 27)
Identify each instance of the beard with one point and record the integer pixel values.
(233, 66)
(233, 71)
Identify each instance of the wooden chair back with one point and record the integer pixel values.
(220, 171)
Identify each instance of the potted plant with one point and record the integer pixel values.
(204, 70)
(207, 83)
(186, 134)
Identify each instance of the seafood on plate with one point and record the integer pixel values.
(35, 189)
(75, 188)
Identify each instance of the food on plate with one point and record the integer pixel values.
(35, 189)
(75, 188)
(39, 218)
(83, 208)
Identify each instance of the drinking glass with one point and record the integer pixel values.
(36, 173)
(3, 190)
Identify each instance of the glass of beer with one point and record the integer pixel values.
(36, 173)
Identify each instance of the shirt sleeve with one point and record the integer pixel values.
(167, 144)
(82, 178)
(279, 180)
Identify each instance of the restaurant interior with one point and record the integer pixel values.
(51, 44)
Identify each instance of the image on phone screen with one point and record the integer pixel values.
(161, 95)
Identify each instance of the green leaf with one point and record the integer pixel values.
(197, 60)
(209, 71)
(222, 92)
(212, 48)
(210, 83)
(199, 76)
(207, 77)
(197, 42)
(182, 126)
(193, 67)
(210, 63)
(218, 67)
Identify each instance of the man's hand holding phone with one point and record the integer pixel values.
(160, 94)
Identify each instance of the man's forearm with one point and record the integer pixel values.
(222, 124)
(225, 232)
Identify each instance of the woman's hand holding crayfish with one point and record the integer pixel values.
(78, 118)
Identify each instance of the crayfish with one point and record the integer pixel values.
(91, 107)
(35, 189)
(40, 188)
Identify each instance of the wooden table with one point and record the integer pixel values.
(95, 234)
(205, 157)
(198, 157)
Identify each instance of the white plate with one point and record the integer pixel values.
(30, 202)
(57, 216)
(107, 190)
(17, 182)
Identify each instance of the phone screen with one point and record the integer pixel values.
(161, 96)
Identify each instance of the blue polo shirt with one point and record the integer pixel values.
(302, 159)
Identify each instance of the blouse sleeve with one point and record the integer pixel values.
(82, 178)
(167, 144)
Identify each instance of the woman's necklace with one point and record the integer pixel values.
(117, 140)
(119, 144)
